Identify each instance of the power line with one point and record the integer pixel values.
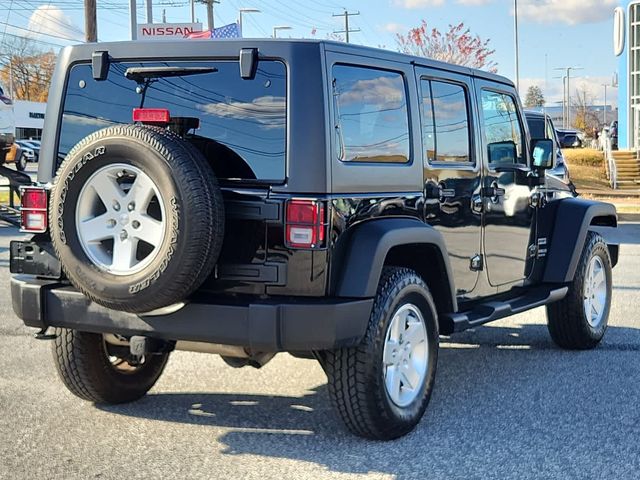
(346, 30)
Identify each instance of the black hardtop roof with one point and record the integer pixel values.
(186, 47)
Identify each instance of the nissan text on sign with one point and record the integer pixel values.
(166, 31)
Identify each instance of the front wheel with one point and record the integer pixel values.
(381, 388)
(94, 370)
(579, 321)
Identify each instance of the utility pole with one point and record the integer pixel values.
(347, 30)
(517, 48)
(210, 20)
(193, 11)
(149, 11)
(90, 21)
(133, 19)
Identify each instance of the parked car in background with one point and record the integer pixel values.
(28, 150)
(33, 145)
(7, 125)
(541, 126)
(569, 138)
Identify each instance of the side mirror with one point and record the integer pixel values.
(542, 152)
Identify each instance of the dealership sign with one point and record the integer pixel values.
(166, 31)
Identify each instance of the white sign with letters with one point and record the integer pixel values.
(166, 31)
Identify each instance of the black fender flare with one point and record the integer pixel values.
(367, 246)
(573, 218)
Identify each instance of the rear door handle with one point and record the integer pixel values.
(444, 193)
(493, 193)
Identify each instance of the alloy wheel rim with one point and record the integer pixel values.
(595, 292)
(405, 355)
(120, 219)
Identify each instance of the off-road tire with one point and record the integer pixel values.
(84, 367)
(194, 217)
(566, 318)
(356, 377)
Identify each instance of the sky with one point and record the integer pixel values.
(553, 33)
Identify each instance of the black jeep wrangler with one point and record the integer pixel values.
(332, 201)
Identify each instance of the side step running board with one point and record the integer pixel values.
(497, 309)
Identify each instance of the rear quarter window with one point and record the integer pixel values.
(372, 120)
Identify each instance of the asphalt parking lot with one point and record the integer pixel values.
(507, 404)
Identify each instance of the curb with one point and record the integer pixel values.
(629, 217)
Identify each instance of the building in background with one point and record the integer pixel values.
(626, 39)
(29, 119)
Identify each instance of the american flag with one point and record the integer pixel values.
(228, 31)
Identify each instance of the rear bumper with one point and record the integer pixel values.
(292, 325)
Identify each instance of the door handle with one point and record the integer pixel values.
(493, 193)
(444, 193)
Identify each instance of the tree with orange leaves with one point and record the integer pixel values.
(27, 71)
(457, 45)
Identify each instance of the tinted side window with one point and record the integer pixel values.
(502, 129)
(445, 124)
(536, 127)
(372, 118)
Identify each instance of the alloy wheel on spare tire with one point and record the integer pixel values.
(137, 218)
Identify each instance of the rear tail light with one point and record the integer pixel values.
(33, 209)
(154, 116)
(305, 224)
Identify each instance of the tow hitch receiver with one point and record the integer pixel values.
(140, 346)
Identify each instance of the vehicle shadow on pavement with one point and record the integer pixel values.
(507, 404)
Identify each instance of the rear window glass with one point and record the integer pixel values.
(372, 123)
(242, 128)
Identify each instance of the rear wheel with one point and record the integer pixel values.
(579, 320)
(95, 370)
(381, 388)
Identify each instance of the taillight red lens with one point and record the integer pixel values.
(151, 115)
(305, 224)
(34, 198)
(33, 211)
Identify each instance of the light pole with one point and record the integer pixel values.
(280, 27)
(604, 111)
(568, 70)
(245, 10)
(515, 34)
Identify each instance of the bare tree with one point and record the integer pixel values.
(27, 68)
(584, 119)
(456, 45)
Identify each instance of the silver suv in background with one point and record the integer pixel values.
(541, 126)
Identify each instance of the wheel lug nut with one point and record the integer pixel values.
(116, 206)
(131, 206)
(123, 235)
(111, 223)
(135, 224)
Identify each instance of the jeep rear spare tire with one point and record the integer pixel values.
(136, 218)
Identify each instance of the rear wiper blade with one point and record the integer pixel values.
(143, 74)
